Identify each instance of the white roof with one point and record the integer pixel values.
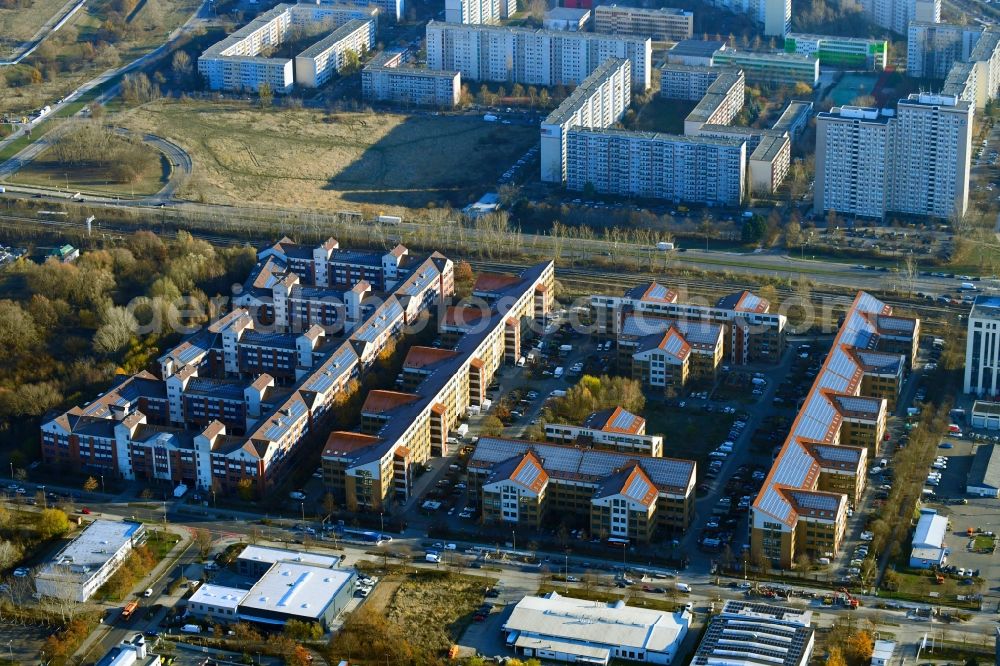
(594, 624)
(295, 589)
(930, 531)
(89, 551)
(600, 654)
(883, 650)
(218, 596)
(272, 555)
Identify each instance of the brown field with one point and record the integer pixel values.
(20, 25)
(310, 159)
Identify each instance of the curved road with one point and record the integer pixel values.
(180, 166)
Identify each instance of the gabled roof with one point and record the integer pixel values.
(652, 292)
(491, 283)
(380, 402)
(744, 301)
(424, 357)
(671, 343)
(463, 315)
(526, 471)
(615, 420)
(631, 482)
(341, 442)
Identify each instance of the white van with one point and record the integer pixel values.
(432, 557)
(683, 587)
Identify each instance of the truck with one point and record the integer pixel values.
(191, 629)
(664, 246)
(129, 609)
(462, 430)
(392, 220)
(490, 118)
(180, 490)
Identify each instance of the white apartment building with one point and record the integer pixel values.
(531, 57)
(930, 172)
(915, 161)
(566, 18)
(769, 153)
(896, 15)
(686, 82)
(598, 102)
(89, 560)
(383, 80)
(661, 25)
(853, 147)
(982, 348)
(472, 11)
(388, 8)
(932, 48)
(657, 166)
(774, 16)
(722, 101)
(318, 63)
(235, 63)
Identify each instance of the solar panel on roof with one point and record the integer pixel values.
(638, 488)
(838, 453)
(773, 503)
(528, 474)
(624, 420)
(816, 501)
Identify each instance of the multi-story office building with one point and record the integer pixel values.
(236, 63)
(751, 332)
(472, 11)
(234, 400)
(916, 161)
(847, 52)
(896, 15)
(723, 99)
(663, 24)
(373, 469)
(749, 633)
(774, 16)
(531, 57)
(383, 80)
(982, 348)
(932, 48)
(318, 63)
(609, 429)
(83, 565)
(820, 470)
(771, 68)
(640, 337)
(619, 495)
(599, 102)
(656, 166)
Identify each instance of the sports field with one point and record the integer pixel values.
(310, 159)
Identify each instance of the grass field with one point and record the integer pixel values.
(46, 173)
(20, 25)
(688, 432)
(307, 159)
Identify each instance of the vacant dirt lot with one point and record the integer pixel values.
(310, 159)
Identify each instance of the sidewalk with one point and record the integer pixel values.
(149, 580)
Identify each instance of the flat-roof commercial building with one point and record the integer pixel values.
(89, 560)
(254, 561)
(846, 52)
(236, 63)
(294, 591)
(599, 102)
(982, 348)
(663, 24)
(751, 332)
(985, 415)
(933, 48)
(771, 68)
(566, 18)
(561, 628)
(384, 80)
(531, 57)
(695, 52)
(318, 63)
(928, 540)
(751, 634)
(610, 429)
(621, 495)
(882, 653)
(916, 160)
(820, 470)
(656, 166)
(984, 475)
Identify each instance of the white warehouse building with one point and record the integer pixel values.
(89, 560)
(561, 628)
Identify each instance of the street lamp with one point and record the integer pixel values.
(381, 522)
(302, 505)
(103, 491)
(12, 470)
(45, 503)
(513, 540)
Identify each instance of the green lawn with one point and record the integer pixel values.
(663, 115)
(687, 432)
